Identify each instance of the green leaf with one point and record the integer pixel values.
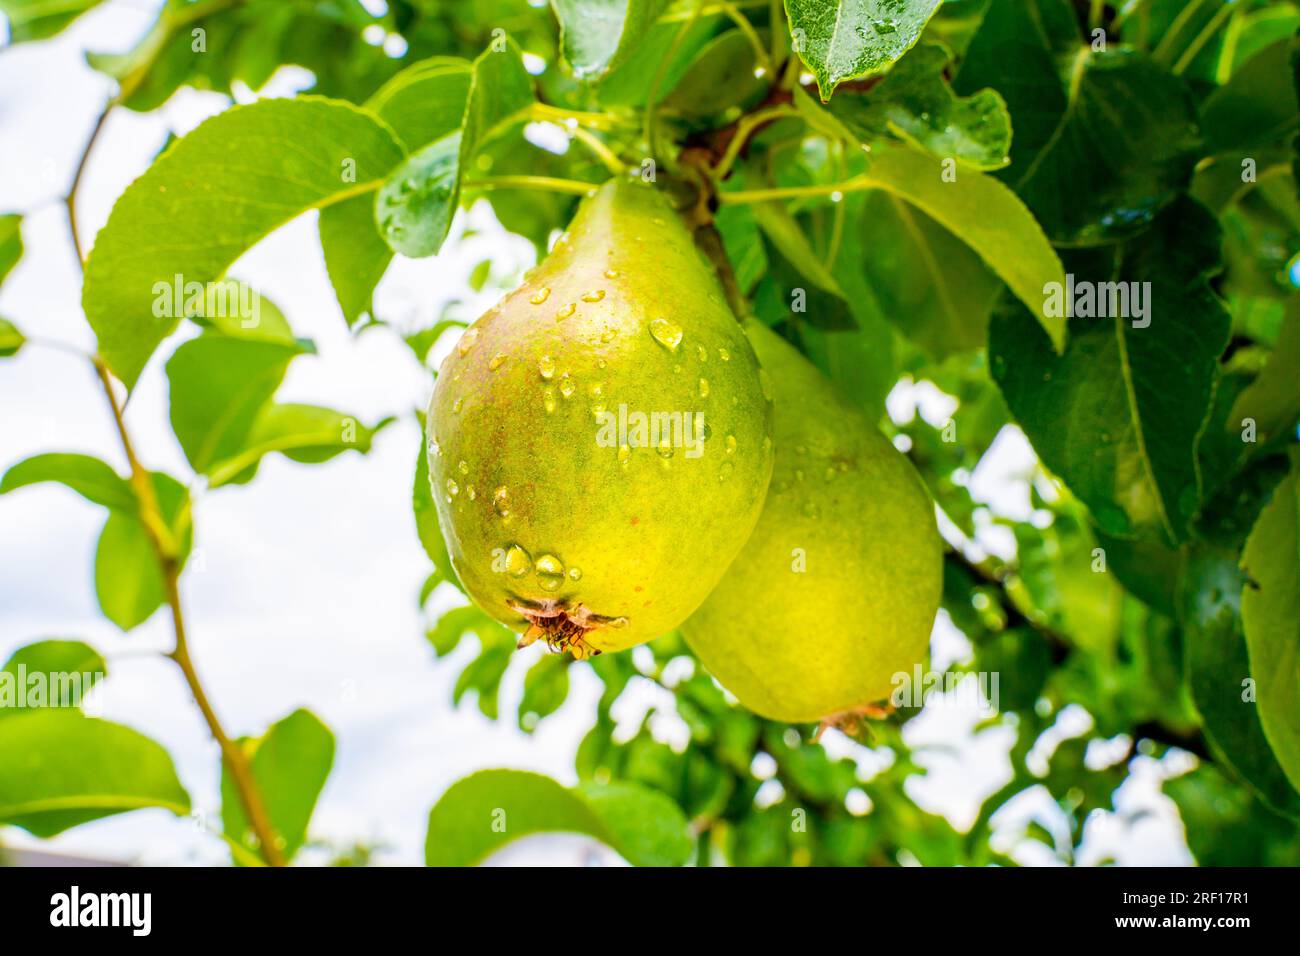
(128, 579)
(1226, 826)
(720, 78)
(290, 765)
(68, 671)
(986, 216)
(235, 309)
(1256, 107)
(932, 286)
(597, 35)
(484, 811)
(1117, 417)
(11, 243)
(1218, 672)
(308, 434)
(1272, 400)
(423, 103)
(59, 768)
(546, 685)
(11, 340)
(219, 386)
(844, 39)
(416, 205)
(914, 101)
(210, 197)
(89, 477)
(1144, 120)
(40, 19)
(1270, 613)
(459, 621)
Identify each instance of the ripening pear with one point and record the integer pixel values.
(600, 442)
(836, 590)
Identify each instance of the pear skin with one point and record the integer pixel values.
(600, 442)
(836, 591)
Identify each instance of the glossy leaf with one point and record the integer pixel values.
(59, 768)
(914, 101)
(423, 103)
(596, 35)
(986, 216)
(290, 764)
(1137, 396)
(1219, 673)
(484, 811)
(212, 196)
(844, 39)
(546, 685)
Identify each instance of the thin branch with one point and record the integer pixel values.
(550, 183)
(167, 549)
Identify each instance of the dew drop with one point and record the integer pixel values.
(597, 390)
(546, 366)
(624, 454)
(467, 342)
(665, 448)
(501, 502)
(567, 388)
(595, 295)
(453, 489)
(548, 401)
(575, 574)
(469, 490)
(611, 273)
(497, 361)
(725, 471)
(566, 311)
(724, 355)
(731, 444)
(463, 467)
(704, 388)
(666, 333)
(607, 336)
(455, 407)
(518, 562)
(540, 296)
(765, 383)
(550, 572)
(702, 352)
(434, 447)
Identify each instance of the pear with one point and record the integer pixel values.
(835, 593)
(600, 442)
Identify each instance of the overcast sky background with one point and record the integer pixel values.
(303, 590)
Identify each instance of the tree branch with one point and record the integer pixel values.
(167, 550)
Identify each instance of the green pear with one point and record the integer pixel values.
(600, 442)
(836, 591)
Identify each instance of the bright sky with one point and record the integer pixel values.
(302, 591)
